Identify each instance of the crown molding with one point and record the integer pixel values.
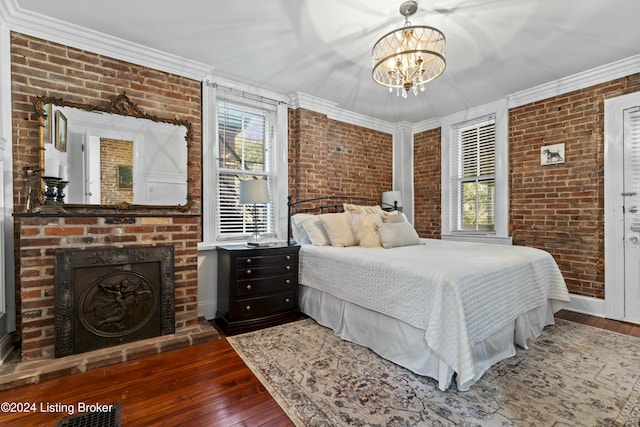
(33, 24)
(47, 28)
(332, 111)
(594, 76)
(425, 125)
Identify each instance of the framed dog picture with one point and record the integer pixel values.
(552, 154)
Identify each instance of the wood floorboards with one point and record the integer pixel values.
(203, 385)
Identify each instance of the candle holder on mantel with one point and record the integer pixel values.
(60, 194)
(51, 183)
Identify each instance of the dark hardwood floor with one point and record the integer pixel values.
(598, 322)
(203, 385)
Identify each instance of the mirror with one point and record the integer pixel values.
(112, 156)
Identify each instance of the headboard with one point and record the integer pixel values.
(320, 205)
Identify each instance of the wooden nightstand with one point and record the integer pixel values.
(257, 287)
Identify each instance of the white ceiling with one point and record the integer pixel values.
(322, 47)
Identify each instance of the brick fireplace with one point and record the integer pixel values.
(44, 235)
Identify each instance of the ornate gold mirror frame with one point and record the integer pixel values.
(120, 105)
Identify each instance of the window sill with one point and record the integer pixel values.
(478, 238)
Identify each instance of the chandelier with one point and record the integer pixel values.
(409, 57)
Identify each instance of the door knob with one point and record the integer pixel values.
(633, 239)
(633, 209)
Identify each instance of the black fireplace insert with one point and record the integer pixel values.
(106, 297)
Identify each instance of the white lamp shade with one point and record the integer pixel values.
(390, 198)
(254, 191)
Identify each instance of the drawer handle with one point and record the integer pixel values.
(248, 272)
(287, 267)
(287, 257)
(248, 260)
(287, 300)
(287, 281)
(248, 287)
(248, 308)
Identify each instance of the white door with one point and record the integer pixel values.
(631, 212)
(92, 172)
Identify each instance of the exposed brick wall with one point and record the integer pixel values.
(560, 207)
(308, 146)
(42, 236)
(426, 182)
(42, 68)
(329, 157)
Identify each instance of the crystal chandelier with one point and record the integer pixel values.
(409, 57)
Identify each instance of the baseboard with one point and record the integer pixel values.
(207, 309)
(586, 305)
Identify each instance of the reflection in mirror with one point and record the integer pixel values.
(115, 160)
(110, 159)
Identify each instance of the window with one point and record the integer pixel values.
(245, 137)
(474, 176)
(244, 134)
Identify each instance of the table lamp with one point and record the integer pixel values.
(392, 200)
(254, 191)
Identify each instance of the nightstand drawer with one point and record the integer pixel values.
(264, 260)
(253, 307)
(265, 271)
(251, 287)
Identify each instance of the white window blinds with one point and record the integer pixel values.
(246, 137)
(473, 172)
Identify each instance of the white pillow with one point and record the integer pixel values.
(393, 235)
(365, 229)
(297, 232)
(315, 231)
(338, 229)
(393, 217)
(359, 209)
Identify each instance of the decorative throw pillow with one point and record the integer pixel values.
(393, 217)
(393, 235)
(315, 231)
(364, 228)
(338, 229)
(359, 209)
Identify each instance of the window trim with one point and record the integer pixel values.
(457, 162)
(279, 186)
(270, 171)
(448, 136)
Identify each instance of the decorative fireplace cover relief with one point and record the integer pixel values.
(106, 297)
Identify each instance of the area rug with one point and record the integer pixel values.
(572, 375)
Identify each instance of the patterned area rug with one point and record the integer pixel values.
(572, 375)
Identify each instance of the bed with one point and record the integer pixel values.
(444, 309)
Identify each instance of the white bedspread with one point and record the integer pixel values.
(459, 293)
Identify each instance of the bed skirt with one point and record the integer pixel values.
(406, 345)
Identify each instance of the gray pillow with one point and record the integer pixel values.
(393, 235)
